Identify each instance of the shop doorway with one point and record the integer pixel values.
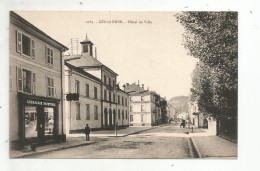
(30, 120)
(38, 123)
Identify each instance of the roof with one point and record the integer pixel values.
(85, 61)
(81, 71)
(86, 41)
(146, 92)
(123, 91)
(22, 23)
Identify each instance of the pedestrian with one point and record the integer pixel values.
(87, 132)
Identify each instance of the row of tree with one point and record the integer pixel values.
(212, 37)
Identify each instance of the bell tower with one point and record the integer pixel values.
(87, 46)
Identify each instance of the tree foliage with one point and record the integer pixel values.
(212, 37)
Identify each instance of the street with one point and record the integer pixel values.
(152, 143)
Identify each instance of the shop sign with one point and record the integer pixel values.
(35, 102)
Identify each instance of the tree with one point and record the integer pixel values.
(212, 37)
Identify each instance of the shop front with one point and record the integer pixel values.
(38, 119)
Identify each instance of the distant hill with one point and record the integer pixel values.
(179, 103)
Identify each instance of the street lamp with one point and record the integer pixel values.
(115, 118)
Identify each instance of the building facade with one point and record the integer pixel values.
(35, 83)
(143, 107)
(87, 109)
(110, 102)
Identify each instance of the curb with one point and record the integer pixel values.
(58, 149)
(193, 143)
(227, 139)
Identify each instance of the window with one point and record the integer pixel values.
(125, 114)
(49, 56)
(77, 111)
(85, 48)
(25, 45)
(27, 81)
(10, 78)
(109, 81)
(142, 118)
(87, 112)
(105, 80)
(109, 95)
(96, 112)
(114, 97)
(131, 118)
(113, 83)
(142, 98)
(77, 87)
(87, 90)
(118, 100)
(91, 52)
(125, 102)
(105, 94)
(122, 100)
(131, 108)
(50, 83)
(95, 92)
(118, 114)
(131, 99)
(142, 108)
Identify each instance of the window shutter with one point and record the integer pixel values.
(19, 41)
(19, 79)
(33, 48)
(34, 83)
(51, 56)
(45, 54)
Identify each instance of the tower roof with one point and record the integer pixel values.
(86, 41)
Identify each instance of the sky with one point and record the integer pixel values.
(150, 50)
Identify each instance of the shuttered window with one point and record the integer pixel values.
(77, 111)
(87, 111)
(87, 90)
(25, 45)
(96, 112)
(49, 56)
(50, 84)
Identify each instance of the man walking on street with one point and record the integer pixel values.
(87, 132)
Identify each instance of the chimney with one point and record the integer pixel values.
(143, 86)
(138, 82)
(124, 87)
(148, 88)
(96, 52)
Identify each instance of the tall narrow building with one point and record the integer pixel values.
(36, 90)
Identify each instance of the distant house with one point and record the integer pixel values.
(36, 90)
(143, 106)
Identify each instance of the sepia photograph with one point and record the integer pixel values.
(123, 84)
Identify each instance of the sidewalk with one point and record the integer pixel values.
(211, 146)
(70, 143)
